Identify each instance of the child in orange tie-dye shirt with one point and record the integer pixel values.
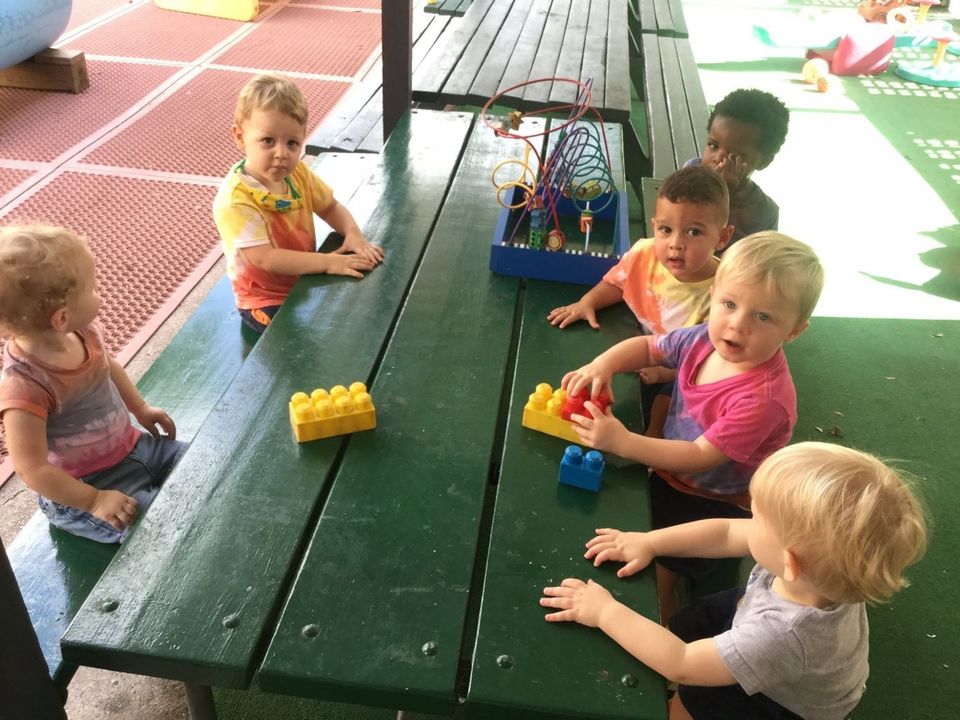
(265, 206)
(665, 280)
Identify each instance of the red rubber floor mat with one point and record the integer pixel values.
(10, 178)
(189, 132)
(83, 12)
(185, 36)
(148, 237)
(338, 42)
(38, 125)
(364, 4)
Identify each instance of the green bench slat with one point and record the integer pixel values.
(198, 581)
(548, 53)
(617, 89)
(539, 528)
(521, 58)
(693, 88)
(488, 79)
(684, 143)
(429, 78)
(376, 599)
(658, 115)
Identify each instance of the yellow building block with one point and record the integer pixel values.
(323, 414)
(244, 10)
(542, 413)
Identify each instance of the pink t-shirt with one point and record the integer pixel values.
(660, 302)
(88, 426)
(746, 417)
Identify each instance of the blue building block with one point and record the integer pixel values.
(581, 470)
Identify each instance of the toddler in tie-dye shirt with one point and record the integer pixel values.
(65, 402)
(265, 206)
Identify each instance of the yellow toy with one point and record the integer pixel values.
(324, 414)
(543, 413)
(244, 10)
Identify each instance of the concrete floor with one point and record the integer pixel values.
(100, 694)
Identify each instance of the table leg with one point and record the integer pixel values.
(396, 32)
(25, 684)
(200, 702)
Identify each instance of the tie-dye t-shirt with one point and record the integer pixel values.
(660, 301)
(247, 215)
(88, 426)
(747, 417)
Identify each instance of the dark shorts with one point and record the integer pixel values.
(669, 507)
(257, 319)
(708, 618)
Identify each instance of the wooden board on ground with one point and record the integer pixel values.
(244, 10)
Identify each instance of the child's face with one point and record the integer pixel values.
(273, 143)
(686, 235)
(728, 139)
(749, 322)
(84, 305)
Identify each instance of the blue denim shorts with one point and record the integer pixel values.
(138, 475)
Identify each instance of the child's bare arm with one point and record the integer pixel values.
(717, 537)
(26, 436)
(296, 262)
(604, 432)
(602, 295)
(597, 375)
(155, 420)
(657, 374)
(340, 219)
(590, 604)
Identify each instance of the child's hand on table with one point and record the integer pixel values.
(632, 548)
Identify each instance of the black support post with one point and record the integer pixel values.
(396, 27)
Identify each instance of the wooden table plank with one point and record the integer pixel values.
(488, 77)
(522, 58)
(524, 667)
(548, 55)
(389, 567)
(693, 88)
(594, 65)
(617, 87)
(455, 90)
(685, 146)
(192, 592)
(658, 119)
(441, 61)
(571, 57)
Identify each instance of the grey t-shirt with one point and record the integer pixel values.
(811, 661)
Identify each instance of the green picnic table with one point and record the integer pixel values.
(399, 567)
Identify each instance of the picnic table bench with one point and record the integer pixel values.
(399, 567)
(498, 46)
(447, 7)
(355, 124)
(669, 123)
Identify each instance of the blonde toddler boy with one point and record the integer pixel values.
(265, 206)
(734, 402)
(832, 529)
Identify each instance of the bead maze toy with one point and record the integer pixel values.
(582, 470)
(548, 411)
(568, 194)
(324, 414)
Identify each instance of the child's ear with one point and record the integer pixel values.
(237, 133)
(726, 234)
(791, 566)
(798, 331)
(59, 319)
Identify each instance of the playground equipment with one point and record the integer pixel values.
(27, 27)
(570, 193)
(937, 72)
(244, 10)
